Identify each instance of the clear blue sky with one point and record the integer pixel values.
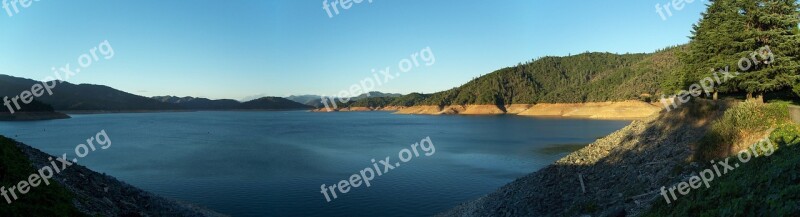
(236, 49)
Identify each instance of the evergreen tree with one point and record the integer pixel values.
(769, 24)
(713, 44)
(758, 38)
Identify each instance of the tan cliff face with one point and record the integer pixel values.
(482, 110)
(594, 110)
(517, 108)
(323, 110)
(360, 109)
(599, 110)
(391, 108)
(424, 109)
(453, 109)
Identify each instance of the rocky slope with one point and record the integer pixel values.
(617, 175)
(101, 195)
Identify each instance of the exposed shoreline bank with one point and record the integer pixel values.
(556, 189)
(102, 195)
(625, 110)
(617, 175)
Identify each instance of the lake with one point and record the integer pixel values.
(274, 163)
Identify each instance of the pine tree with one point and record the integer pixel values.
(713, 44)
(771, 24)
(758, 38)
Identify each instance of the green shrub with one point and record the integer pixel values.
(764, 186)
(739, 121)
(786, 135)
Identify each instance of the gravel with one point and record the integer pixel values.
(622, 173)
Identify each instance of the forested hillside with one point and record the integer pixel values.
(588, 77)
(404, 100)
(72, 97)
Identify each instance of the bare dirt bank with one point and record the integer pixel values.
(360, 109)
(452, 110)
(626, 110)
(596, 110)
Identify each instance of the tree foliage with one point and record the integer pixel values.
(587, 77)
(737, 34)
(759, 35)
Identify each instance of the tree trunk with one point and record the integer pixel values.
(716, 95)
(758, 99)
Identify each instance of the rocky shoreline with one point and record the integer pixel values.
(102, 195)
(626, 110)
(618, 175)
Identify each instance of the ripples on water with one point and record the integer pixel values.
(273, 163)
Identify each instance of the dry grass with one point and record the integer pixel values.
(739, 127)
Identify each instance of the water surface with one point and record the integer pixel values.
(273, 163)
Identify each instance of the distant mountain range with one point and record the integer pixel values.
(265, 103)
(88, 97)
(199, 103)
(587, 77)
(70, 97)
(316, 100)
(305, 99)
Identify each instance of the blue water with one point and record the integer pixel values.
(273, 163)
